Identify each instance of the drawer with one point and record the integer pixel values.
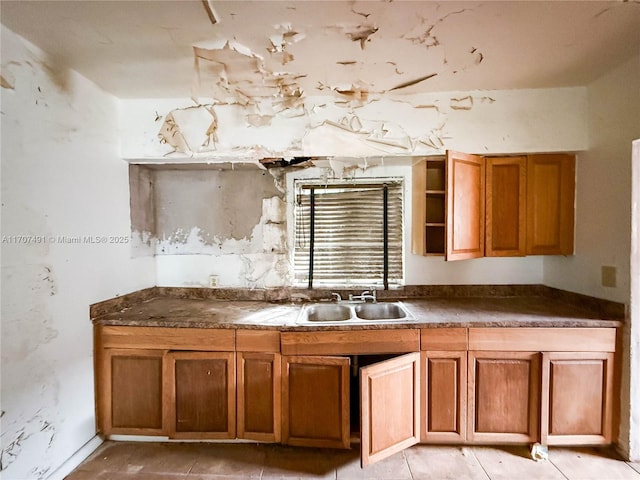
(257, 341)
(543, 339)
(166, 338)
(445, 339)
(350, 342)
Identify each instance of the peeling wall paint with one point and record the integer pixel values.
(480, 122)
(62, 179)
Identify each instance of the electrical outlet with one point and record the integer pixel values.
(213, 281)
(608, 276)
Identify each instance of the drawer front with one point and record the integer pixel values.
(258, 341)
(350, 342)
(543, 339)
(445, 339)
(201, 339)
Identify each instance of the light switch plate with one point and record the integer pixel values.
(608, 276)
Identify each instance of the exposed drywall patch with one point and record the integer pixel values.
(264, 271)
(435, 138)
(190, 130)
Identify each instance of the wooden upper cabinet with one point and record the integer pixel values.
(550, 204)
(389, 407)
(465, 219)
(506, 182)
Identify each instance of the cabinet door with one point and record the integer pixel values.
(506, 206)
(389, 407)
(577, 391)
(465, 206)
(315, 401)
(444, 397)
(131, 392)
(258, 390)
(550, 204)
(503, 397)
(201, 395)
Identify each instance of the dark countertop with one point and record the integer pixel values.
(431, 312)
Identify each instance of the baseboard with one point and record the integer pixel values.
(76, 459)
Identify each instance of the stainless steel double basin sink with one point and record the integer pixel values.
(354, 312)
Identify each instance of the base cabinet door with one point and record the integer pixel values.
(131, 392)
(201, 394)
(258, 390)
(315, 401)
(389, 407)
(504, 393)
(577, 398)
(443, 397)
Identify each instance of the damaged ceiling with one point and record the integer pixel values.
(249, 51)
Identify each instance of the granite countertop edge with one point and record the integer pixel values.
(153, 308)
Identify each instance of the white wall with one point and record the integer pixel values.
(603, 189)
(603, 219)
(62, 176)
(427, 124)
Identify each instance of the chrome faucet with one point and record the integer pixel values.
(364, 296)
(337, 295)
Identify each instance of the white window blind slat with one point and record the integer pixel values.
(348, 239)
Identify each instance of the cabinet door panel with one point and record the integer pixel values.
(444, 394)
(133, 392)
(506, 206)
(201, 394)
(259, 396)
(503, 396)
(550, 204)
(389, 407)
(576, 407)
(315, 401)
(465, 206)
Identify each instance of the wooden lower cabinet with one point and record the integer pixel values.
(315, 401)
(201, 394)
(258, 393)
(444, 397)
(389, 407)
(503, 396)
(577, 405)
(130, 399)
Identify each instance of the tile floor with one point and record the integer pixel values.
(215, 461)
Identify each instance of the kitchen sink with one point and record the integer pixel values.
(327, 313)
(353, 312)
(380, 311)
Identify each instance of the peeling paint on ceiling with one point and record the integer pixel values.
(145, 49)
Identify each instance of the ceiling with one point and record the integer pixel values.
(145, 49)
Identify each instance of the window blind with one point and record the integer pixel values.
(340, 235)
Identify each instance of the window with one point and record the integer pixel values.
(348, 234)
